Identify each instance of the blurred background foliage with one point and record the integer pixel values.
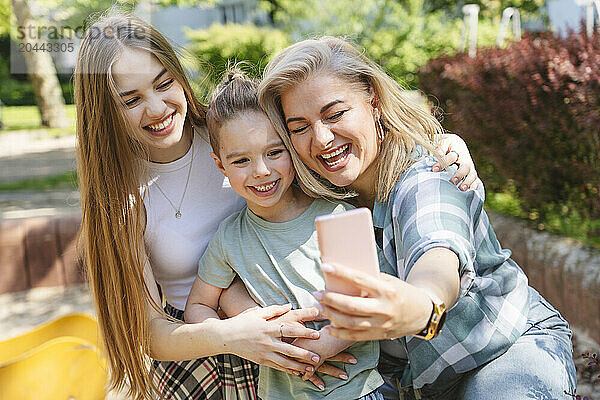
(489, 9)
(401, 36)
(539, 99)
(223, 45)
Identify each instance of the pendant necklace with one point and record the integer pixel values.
(178, 208)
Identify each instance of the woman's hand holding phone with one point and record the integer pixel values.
(383, 313)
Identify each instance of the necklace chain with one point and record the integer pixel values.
(178, 208)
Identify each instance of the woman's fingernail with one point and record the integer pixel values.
(463, 187)
(455, 180)
(344, 376)
(318, 295)
(436, 169)
(314, 335)
(353, 361)
(326, 268)
(315, 359)
(309, 369)
(321, 387)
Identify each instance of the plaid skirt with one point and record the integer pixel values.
(221, 377)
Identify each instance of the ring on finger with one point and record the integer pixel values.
(455, 152)
(281, 330)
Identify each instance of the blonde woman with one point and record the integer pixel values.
(352, 130)
(151, 201)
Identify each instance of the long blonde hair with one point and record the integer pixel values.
(405, 123)
(110, 170)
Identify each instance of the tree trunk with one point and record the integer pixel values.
(41, 72)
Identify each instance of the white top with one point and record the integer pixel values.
(174, 246)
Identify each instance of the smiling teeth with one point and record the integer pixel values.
(339, 151)
(265, 188)
(335, 153)
(162, 125)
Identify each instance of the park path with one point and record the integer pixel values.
(27, 155)
(33, 154)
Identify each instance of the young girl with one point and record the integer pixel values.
(151, 200)
(271, 244)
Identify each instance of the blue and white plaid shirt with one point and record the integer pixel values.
(426, 211)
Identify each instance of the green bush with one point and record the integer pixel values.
(223, 45)
(531, 115)
(401, 36)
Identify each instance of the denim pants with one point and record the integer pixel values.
(539, 365)
(374, 395)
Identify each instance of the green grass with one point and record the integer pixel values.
(563, 219)
(28, 118)
(67, 180)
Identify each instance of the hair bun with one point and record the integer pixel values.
(235, 74)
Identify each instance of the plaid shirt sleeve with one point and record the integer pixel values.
(427, 211)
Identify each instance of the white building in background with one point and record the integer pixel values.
(172, 21)
(568, 14)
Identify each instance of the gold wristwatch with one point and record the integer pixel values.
(436, 319)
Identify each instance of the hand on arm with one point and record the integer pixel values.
(455, 151)
(235, 299)
(249, 335)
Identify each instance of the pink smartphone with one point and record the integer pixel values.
(347, 239)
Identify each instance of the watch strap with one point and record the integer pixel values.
(436, 319)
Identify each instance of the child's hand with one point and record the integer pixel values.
(326, 345)
(329, 369)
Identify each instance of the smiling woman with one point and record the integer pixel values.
(156, 104)
(346, 157)
(463, 321)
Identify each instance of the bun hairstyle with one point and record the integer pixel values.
(237, 93)
(235, 74)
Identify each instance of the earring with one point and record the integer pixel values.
(379, 125)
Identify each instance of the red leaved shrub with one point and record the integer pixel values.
(529, 113)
